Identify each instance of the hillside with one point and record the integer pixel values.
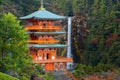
(84, 32)
(95, 30)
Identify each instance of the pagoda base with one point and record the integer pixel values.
(58, 64)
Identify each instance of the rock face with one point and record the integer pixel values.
(79, 35)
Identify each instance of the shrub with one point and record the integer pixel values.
(6, 77)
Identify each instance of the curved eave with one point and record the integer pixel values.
(43, 15)
(50, 18)
(48, 46)
(25, 18)
(56, 33)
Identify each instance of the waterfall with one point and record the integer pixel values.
(69, 64)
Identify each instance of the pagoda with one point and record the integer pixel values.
(42, 28)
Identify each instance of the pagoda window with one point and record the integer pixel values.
(46, 49)
(45, 36)
(55, 49)
(48, 56)
(44, 25)
(50, 36)
(49, 49)
(45, 56)
(61, 66)
(33, 36)
(56, 66)
(40, 49)
(49, 23)
(35, 22)
(39, 55)
(39, 23)
(40, 37)
(52, 49)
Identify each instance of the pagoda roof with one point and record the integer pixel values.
(48, 32)
(48, 46)
(43, 15)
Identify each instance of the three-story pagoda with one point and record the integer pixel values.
(42, 43)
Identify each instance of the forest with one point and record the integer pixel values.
(95, 36)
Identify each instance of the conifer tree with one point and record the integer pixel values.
(104, 34)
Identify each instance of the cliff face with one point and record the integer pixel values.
(79, 35)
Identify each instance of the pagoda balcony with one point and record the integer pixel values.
(58, 59)
(43, 41)
(42, 28)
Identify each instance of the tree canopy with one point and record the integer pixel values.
(102, 44)
(14, 55)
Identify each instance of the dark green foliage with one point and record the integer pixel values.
(79, 6)
(6, 77)
(13, 41)
(82, 69)
(49, 76)
(103, 41)
(102, 48)
(1, 2)
(65, 6)
(27, 6)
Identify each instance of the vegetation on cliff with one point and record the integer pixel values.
(95, 28)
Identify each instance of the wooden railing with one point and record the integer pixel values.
(44, 41)
(39, 28)
(63, 59)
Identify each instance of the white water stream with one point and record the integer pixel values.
(69, 55)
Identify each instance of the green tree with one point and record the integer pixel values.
(102, 45)
(6, 77)
(1, 2)
(64, 6)
(80, 6)
(14, 55)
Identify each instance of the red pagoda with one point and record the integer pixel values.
(42, 43)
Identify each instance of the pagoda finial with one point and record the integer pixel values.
(42, 6)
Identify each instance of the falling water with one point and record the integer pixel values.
(69, 64)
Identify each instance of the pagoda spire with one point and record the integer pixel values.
(42, 5)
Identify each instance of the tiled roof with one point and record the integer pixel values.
(48, 32)
(43, 14)
(48, 46)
